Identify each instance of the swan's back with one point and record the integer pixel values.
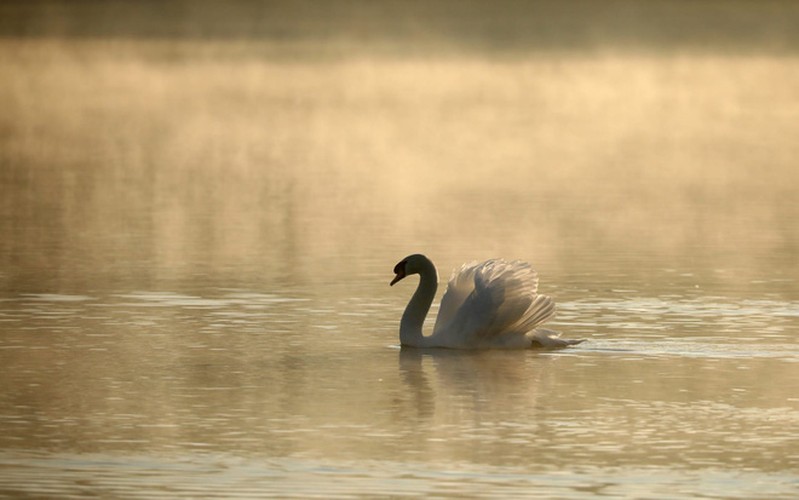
(494, 304)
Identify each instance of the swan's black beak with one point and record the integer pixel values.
(399, 276)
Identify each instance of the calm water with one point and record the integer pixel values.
(197, 243)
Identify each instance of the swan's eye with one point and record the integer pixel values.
(400, 267)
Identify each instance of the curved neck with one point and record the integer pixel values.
(417, 309)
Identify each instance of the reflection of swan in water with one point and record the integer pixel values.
(440, 383)
(493, 304)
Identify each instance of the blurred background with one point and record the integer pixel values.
(153, 142)
(414, 27)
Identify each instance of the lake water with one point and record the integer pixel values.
(197, 240)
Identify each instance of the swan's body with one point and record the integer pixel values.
(493, 304)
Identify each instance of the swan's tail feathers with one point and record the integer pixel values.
(550, 339)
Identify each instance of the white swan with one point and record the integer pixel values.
(493, 304)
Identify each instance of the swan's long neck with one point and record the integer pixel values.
(417, 309)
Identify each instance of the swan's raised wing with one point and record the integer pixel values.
(460, 286)
(495, 298)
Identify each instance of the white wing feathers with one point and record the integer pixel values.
(460, 285)
(494, 298)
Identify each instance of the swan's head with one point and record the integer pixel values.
(412, 264)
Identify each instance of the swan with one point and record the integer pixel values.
(492, 304)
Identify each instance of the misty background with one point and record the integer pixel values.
(227, 138)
